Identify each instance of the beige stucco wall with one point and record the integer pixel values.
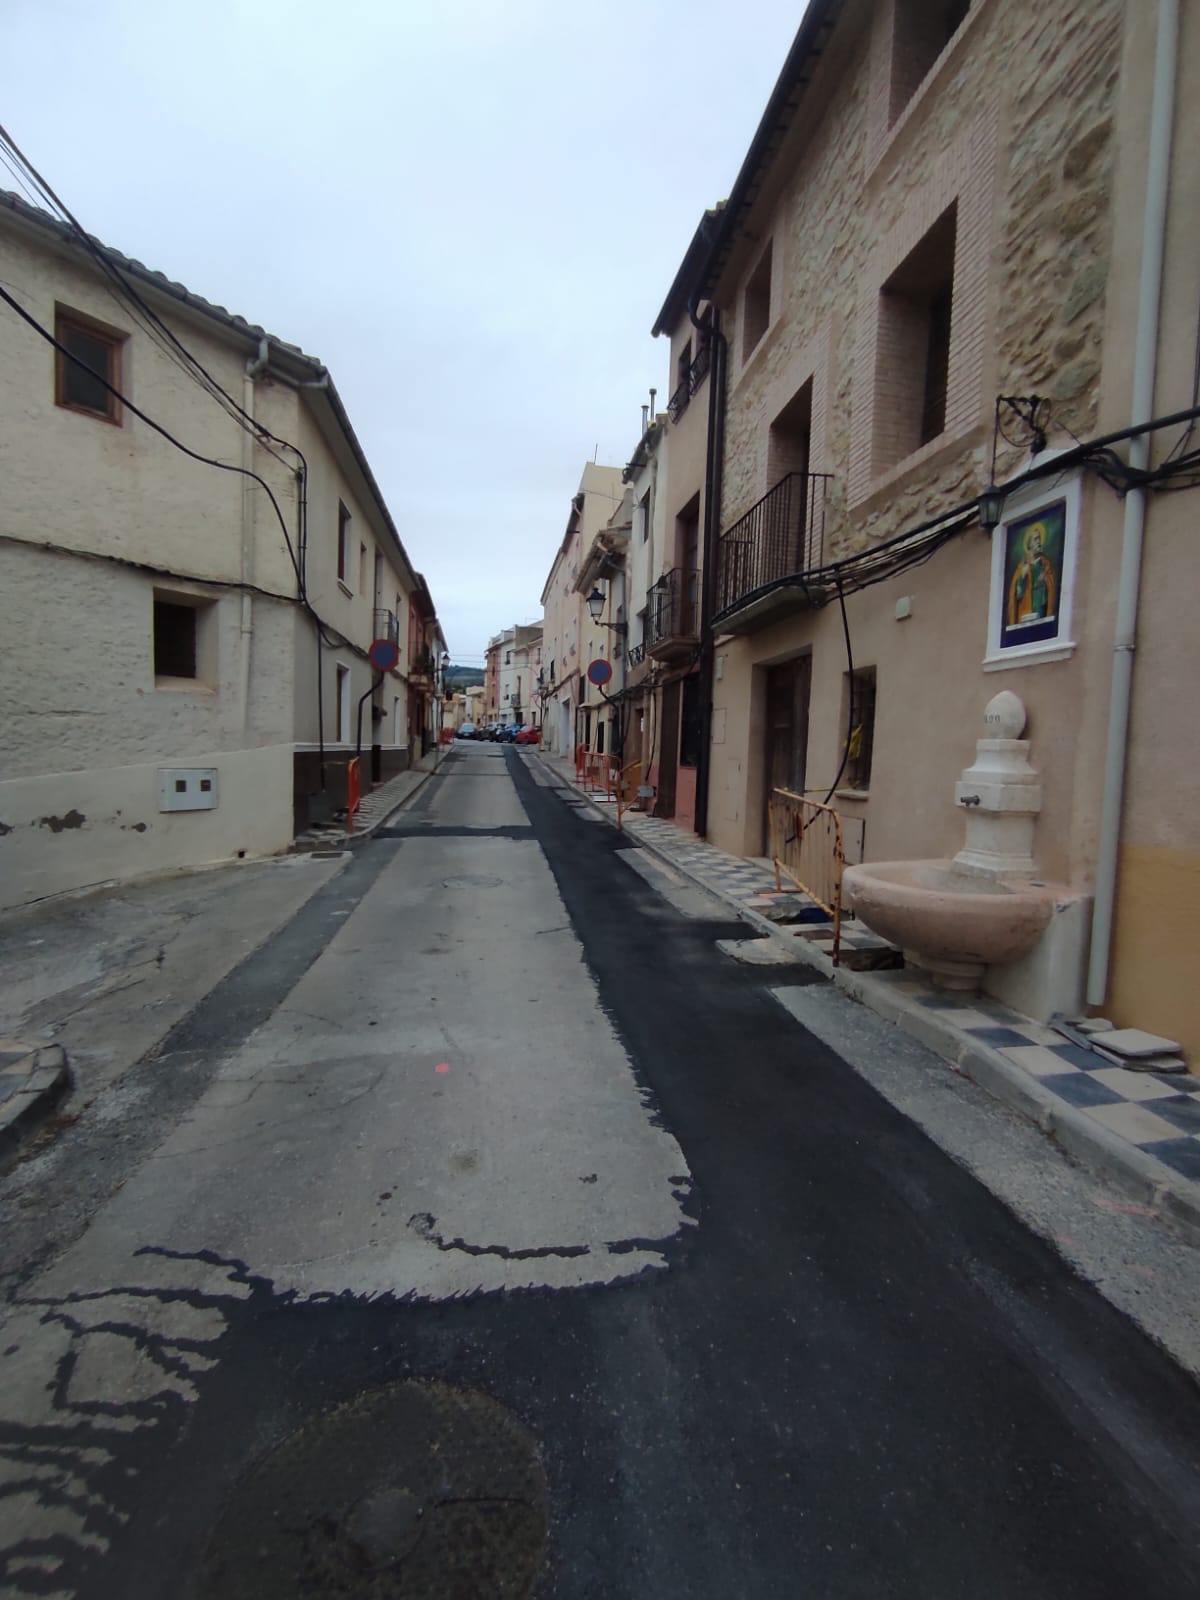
(1157, 932)
(86, 731)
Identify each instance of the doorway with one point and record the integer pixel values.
(786, 756)
(668, 761)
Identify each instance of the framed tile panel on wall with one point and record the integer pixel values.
(1033, 575)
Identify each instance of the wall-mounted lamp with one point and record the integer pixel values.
(595, 604)
(991, 508)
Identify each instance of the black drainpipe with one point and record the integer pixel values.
(714, 462)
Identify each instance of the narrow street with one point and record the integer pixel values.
(504, 1236)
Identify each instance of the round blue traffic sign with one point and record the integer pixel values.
(599, 672)
(384, 655)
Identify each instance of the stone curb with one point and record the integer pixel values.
(1140, 1176)
(21, 1113)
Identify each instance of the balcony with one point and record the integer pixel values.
(765, 559)
(673, 614)
(387, 626)
(690, 382)
(420, 672)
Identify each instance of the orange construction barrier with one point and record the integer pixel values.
(353, 791)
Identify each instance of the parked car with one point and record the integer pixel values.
(509, 732)
(467, 731)
(528, 735)
(493, 731)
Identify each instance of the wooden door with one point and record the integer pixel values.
(786, 757)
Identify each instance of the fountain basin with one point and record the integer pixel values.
(951, 923)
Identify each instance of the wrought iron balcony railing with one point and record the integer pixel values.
(783, 536)
(690, 382)
(673, 612)
(387, 626)
(678, 402)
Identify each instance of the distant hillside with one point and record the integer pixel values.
(463, 677)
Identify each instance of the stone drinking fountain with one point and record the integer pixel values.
(985, 919)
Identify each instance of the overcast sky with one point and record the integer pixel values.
(470, 210)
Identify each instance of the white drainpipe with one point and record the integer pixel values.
(256, 365)
(1162, 117)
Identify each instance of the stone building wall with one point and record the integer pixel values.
(1015, 123)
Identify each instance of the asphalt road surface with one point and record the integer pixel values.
(503, 1236)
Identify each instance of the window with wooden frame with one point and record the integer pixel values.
(343, 564)
(860, 726)
(90, 369)
(185, 640)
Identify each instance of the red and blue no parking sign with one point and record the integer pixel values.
(599, 673)
(384, 655)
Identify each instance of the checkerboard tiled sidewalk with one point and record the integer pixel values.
(749, 882)
(1158, 1112)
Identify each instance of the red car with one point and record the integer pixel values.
(528, 735)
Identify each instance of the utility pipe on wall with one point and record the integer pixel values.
(254, 366)
(1162, 117)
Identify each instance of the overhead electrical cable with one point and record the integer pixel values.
(127, 289)
(330, 637)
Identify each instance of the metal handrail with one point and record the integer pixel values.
(806, 844)
(781, 536)
(672, 606)
(387, 625)
(678, 403)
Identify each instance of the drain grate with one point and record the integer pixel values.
(419, 1491)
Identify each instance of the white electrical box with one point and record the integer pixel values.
(187, 788)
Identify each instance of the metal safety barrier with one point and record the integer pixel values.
(624, 785)
(599, 772)
(806, 844)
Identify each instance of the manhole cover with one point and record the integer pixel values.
(472, 880)
(418, 1491)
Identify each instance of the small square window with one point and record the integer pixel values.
(88, 367)
(185, 640)
(860, 725)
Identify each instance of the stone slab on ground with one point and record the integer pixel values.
(32, 1081)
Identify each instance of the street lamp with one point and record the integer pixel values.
(991, 507)
(595, 604)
